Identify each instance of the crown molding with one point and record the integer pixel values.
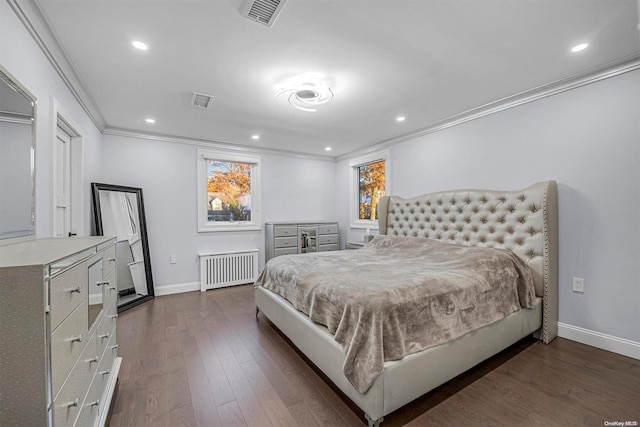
(613, 69)
(31, 16)
(220, 145)
(36, 24)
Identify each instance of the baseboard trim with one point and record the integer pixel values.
(177, 288)
(603, 341)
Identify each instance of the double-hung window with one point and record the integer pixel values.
(228, 191)
(369, 183)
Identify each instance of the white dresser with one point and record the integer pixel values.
(283, 238)
(58, 346)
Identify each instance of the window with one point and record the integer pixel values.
(369, 184)
(228, 192)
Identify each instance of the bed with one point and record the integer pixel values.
(520, 226)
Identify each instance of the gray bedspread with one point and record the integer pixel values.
(400, 295)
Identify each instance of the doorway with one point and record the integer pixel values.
(66, 172)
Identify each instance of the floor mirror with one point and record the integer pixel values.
(119, 211)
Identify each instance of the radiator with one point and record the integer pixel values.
(218, 270)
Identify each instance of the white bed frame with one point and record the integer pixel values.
(523, 221)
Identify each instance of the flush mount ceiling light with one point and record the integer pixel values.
(307, 96)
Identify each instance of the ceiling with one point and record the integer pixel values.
(431, 61)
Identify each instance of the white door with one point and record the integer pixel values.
(62, 184)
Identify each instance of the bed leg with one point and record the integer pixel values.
(373, 423)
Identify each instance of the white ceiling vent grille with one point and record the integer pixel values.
(201, 100)
(264, 12)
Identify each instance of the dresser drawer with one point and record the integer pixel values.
(109, 260)
(67, 344)
(325, 239)
(69, 401)
(328, 229)
(67, 290)
(285, 231)
(286, 251)
(109, 291)
(105, 332)
(94, 401)
(106, 365)
(327, 248)
(91, 406)
(287, 242)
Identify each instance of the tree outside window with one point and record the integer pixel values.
(228, 192)
(371, 188)
(369, 183)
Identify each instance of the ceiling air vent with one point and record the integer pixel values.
(263, 12)
(201, 100)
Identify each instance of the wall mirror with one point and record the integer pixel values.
(17, 157)
(119, 211)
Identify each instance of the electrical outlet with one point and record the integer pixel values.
(578, 284)
(173, 259)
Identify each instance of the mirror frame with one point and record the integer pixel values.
(11, 237)
(97, 217)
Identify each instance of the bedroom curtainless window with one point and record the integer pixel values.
(369, 185)
(228, 192)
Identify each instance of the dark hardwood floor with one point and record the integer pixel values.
(202, 359)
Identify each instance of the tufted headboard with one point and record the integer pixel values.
(524, 221)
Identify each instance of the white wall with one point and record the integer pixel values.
(21, 56)
(292, 189)
(588, 140)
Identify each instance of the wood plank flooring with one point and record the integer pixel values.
(202, 359)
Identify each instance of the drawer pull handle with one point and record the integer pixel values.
(102, 283)
(105, 372)
(113, 288)
(93, 359)
(96, 403)
(74, 403)
(111, 259)
(114, 347)
(113, 316)
(103, 336)
(78, 290)
(76, 339)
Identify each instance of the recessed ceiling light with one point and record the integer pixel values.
(139, 45)
(150, 121)
(255, 137)
(327, 148)
(400, 118)
(579, 47)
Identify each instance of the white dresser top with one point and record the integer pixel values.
(46, 251)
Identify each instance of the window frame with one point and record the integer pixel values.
(354, 187)
(205, 226)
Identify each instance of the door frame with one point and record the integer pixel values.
(60, 118)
